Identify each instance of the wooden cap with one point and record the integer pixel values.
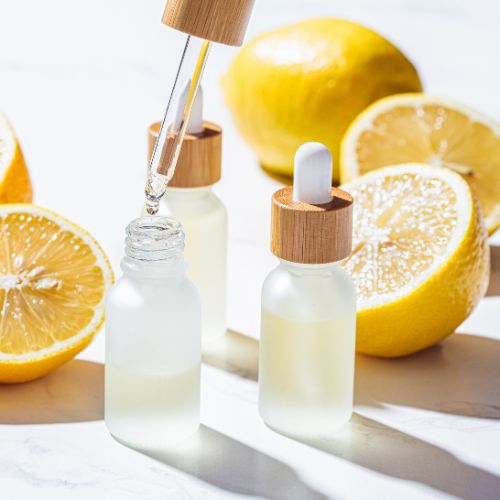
(222, 21)
(311, 234)
(199, 162)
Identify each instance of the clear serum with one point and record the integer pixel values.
(153, 340)
(308, 323)
(190, 199)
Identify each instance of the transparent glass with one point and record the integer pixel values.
(307, 349)
(172, 131)
(153, 340)
(204, 219)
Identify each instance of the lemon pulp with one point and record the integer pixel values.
(439, 132)
(53, 277)
(420, 257)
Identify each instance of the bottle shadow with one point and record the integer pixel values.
(72, 393)
(234, 353)
(494, 286)
(388, 451)
(233, 466)
(459, 376)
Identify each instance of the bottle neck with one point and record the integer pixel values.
(154, 247)
(309, 269)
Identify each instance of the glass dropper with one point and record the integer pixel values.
(168, 145)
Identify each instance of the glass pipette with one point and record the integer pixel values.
(172, 131)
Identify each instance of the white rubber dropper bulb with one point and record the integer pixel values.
(312, 177)
(195, 124)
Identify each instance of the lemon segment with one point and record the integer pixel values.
(420, 258)
(53, 278)
(15, 184)
(439, 132)
(306, 82)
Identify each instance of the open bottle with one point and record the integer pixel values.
(153, 325)
(153, 340)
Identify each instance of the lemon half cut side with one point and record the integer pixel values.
(420, 257)
(53, 280)
(433, 130)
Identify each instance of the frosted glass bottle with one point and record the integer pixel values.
(153, 340)
(204, 219)
(190, 199)
(308, 322)
(308, 331)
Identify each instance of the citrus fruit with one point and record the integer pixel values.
(15, 184)
(306, 82)
(419, 128)
(420, 258)
(53, 278)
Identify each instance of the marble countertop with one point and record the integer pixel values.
(81, 81)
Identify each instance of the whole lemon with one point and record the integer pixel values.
(307, 82)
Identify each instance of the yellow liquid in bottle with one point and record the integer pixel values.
(150, 410)
(306, 373)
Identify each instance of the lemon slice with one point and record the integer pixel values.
(419, 128)
(53, 278)
(15, 184)
(420, 257)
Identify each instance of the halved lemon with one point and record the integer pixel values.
(15, 184)
(53, 279)
(420, 257)
(440, 132)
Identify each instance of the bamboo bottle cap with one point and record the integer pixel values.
(199, 162)
(317, 228)
(222, 21)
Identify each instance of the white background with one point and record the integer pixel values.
(81, 80)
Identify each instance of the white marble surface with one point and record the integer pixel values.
(81, 80)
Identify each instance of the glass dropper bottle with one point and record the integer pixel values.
(205, 21)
